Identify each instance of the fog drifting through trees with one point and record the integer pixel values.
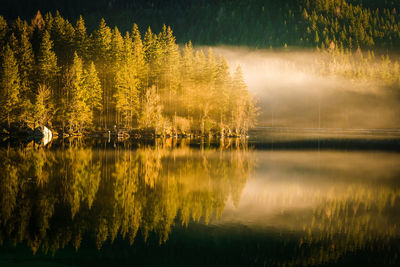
(311, 89)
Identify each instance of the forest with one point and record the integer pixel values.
(256, 23)
(57, 74)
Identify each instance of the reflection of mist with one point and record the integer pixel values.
(290, 93)
(291, 183)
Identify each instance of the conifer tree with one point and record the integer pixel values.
(187, 73)
(13, 42)
(243, 111)
(126, 96)
(81, 40)
(38, 21)
(170, 67)
(102, 43)
(78, 112)
(93, 86)
(26, 62)
(47, 62)
(139, 58)
(19, 26)
(153, 55)
(62, 33)
(117, 47)
(3, 31)
(9, 86)
(221, 94)
(101, 54)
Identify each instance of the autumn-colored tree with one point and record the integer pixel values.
(151, 113)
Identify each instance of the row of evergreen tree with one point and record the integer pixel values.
(260, 23)
(54, 73)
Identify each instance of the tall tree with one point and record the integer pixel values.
(242, 107)
(126, 96)
(220, 97)
(94, 90)
(62, 33)
(78, 114)
(139, 58)
(101, 54)
(3, 31)
(81, 40)
(47, 62)
(26, 62)
(9, 86)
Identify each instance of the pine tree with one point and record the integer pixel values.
(170, 68)
(78, 112)
(187, 73)
(221, 94)
(13, 42)
(243, 110)
(153, 56)
(102, 43)
(38, 21)
(3, 31)
(81, 40)
(139, 58)
(47, 62)
(19, 26)
(26, 62)
(126, 96)
(93, 86)
(62, 33)
(9, 86)
(101, 54)
(117, 47)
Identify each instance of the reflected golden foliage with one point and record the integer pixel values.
(54, 197)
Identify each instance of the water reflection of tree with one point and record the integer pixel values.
(346, 218)
(53, 197)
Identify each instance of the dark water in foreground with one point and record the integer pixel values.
(286, 199)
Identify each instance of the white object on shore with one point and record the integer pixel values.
(45, 133)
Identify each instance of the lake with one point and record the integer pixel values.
(283, 197)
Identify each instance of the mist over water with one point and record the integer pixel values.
(291, 93)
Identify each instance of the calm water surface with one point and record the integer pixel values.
(282, 200)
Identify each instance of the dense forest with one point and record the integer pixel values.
(257, 23)
(55, 73)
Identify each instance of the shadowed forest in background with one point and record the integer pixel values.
(254, 23)
(56, 74)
